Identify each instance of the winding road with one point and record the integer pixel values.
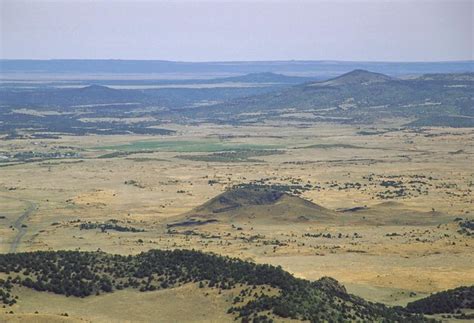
(18, 224)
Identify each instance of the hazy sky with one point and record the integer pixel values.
(398, 30)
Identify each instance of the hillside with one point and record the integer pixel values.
(359, 97)
(257, 205)
(265, 292)
(355, 77)
(398, 214)
(453, 301)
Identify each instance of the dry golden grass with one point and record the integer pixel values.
(375, 265)
(186, 303)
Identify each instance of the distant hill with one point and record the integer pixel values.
(445, 121)
(68, 97)
(265, 78)
(95, 88)
(396, 214)
(356, 77)
(451, 301)
(322, 68)
(256, 205)
(172, 94)
(359, 96)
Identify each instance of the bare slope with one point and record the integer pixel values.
(395, 213)
(272, 206)
(255, 205)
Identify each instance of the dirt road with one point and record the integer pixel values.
(19, 224)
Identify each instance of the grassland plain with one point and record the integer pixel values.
(405, 188)
(208, 145)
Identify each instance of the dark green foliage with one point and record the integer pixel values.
(359, 97)
(449, 301)
(5, 292)
(190, 222)
(280, 188)
(81, 274)
(234, 156)
(444, 121)
(116, 154)
(466, 227)
(108, 226)
(103, 102)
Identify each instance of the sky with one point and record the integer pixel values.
(239, 30)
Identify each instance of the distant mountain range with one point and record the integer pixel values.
(361, 96)
(356, 97)
(322, 69)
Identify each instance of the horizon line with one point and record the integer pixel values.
(236, 61)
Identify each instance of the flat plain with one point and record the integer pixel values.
(396, 193)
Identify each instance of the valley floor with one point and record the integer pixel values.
(398, 194)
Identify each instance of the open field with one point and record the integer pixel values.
(207, 145)
(172, 305)
(395, 195)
